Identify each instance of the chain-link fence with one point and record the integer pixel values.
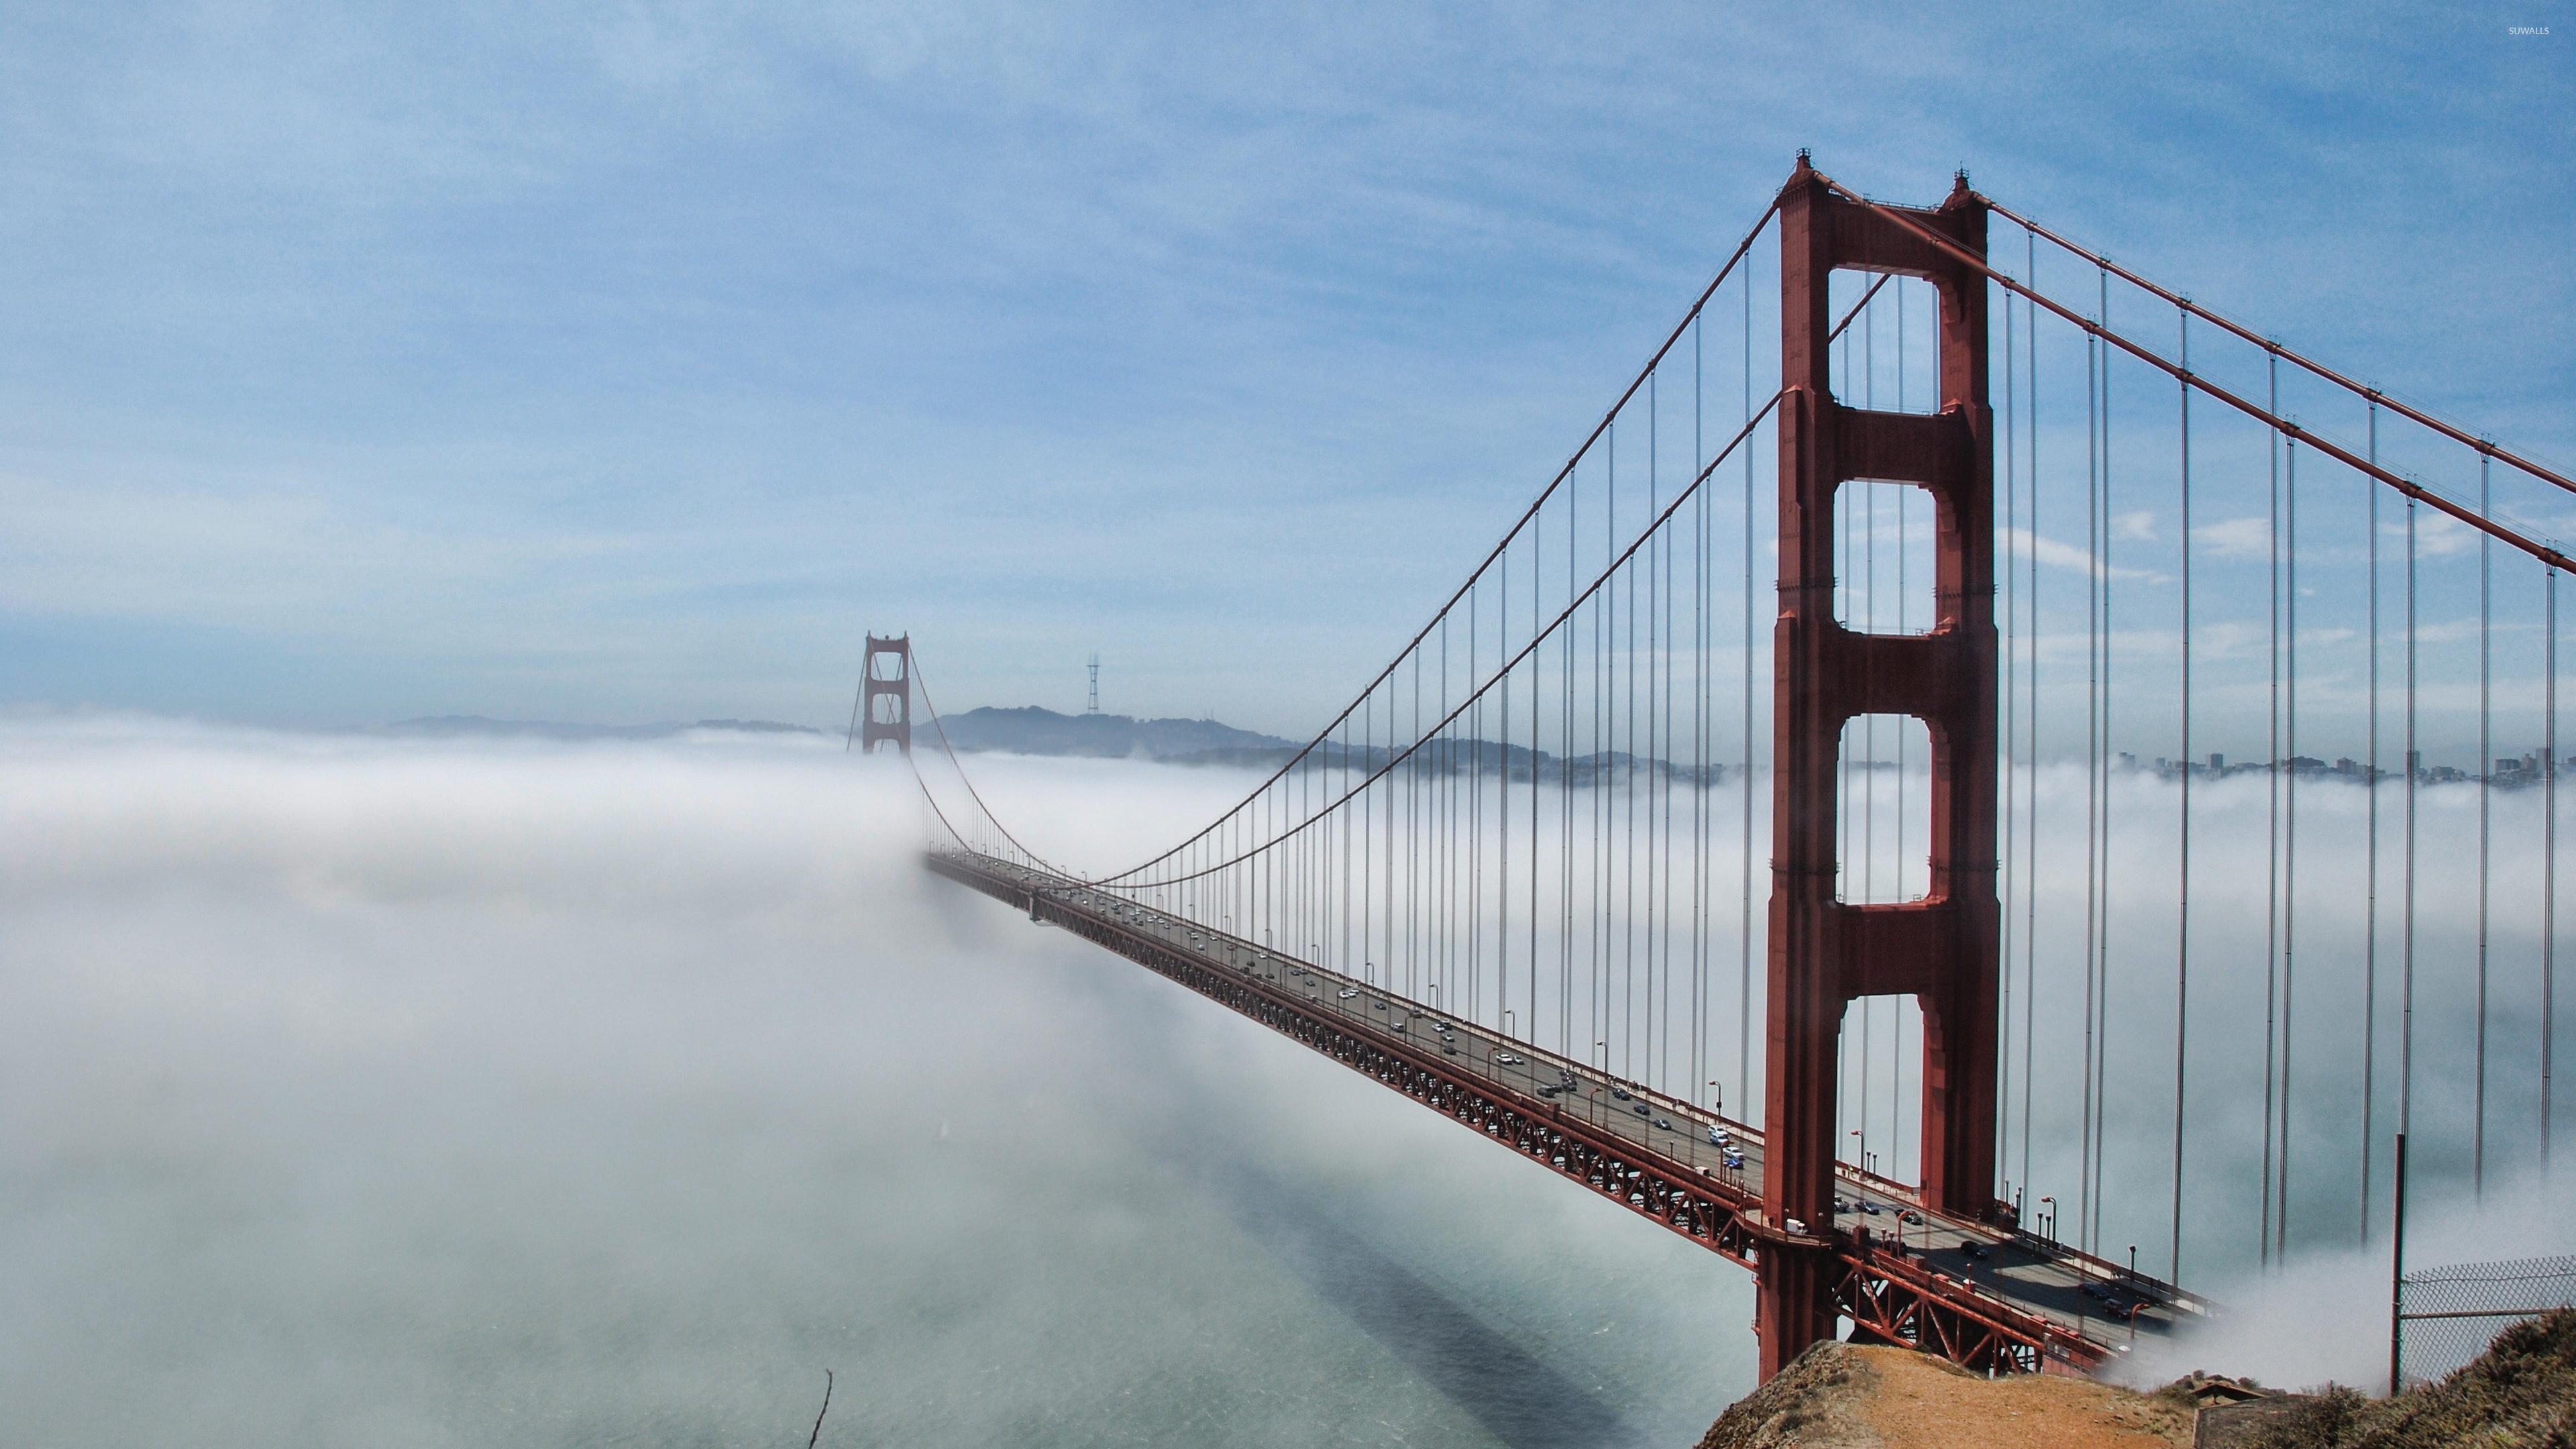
(2448, 1316)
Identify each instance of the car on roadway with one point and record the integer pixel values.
(1717, 1137)
(1348, 992)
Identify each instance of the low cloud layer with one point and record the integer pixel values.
(422, 1093)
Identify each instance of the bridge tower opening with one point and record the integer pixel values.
(1940, 949)
(886, 682)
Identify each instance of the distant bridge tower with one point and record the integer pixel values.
(1940, 950)
(885, 684)
(1095, 685)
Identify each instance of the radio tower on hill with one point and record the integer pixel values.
(1095, 686)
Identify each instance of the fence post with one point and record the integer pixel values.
(2397, 1280)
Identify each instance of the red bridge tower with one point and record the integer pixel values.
(1942, 949)
(886, 694)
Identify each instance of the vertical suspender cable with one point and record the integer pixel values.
(2011, 753)
(1565, 804)
(2486, 770)
(2370, 854)
(2289, 983)
(2182, 931)
(2030, 848)
(1699, 741)
(2102, 1058)
(2548, 860)
(1869, 723)
(1896, 1004)
(1669, 756)
(1604, 635)
(1654, 580)
(2093, 365)
(1658, 744)
(1626, 704)
(2290, 833)
(2414, 768)
(1744, 857)
(1539, 558)
(2263, 1234)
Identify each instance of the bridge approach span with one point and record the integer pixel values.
(1978, 1295)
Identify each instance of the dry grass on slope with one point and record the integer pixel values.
(1839, 1396)
(2519, 1394)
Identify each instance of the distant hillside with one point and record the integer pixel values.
(1034, 731)
(475, 724)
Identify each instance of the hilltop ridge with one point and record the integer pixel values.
(1033, 730)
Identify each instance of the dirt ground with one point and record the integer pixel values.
(1837, 1396)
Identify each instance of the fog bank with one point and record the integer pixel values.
(462, 1092)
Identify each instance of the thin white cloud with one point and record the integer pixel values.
(2437, 535)
(2066, 556)
(2235, 538)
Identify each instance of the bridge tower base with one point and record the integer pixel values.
(1942, 950)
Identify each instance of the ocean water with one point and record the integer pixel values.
(440, 1093)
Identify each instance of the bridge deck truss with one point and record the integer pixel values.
(1649, 1155)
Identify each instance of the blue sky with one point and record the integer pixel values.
(629, 362)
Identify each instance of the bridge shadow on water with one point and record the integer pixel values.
(1518, 1397)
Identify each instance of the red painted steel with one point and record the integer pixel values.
(893, 724)
(2458, 513)
(1942, 949)
(1890, 1294)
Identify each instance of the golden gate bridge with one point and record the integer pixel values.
(1515, 877)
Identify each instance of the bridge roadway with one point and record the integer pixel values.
(1983, 1295)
